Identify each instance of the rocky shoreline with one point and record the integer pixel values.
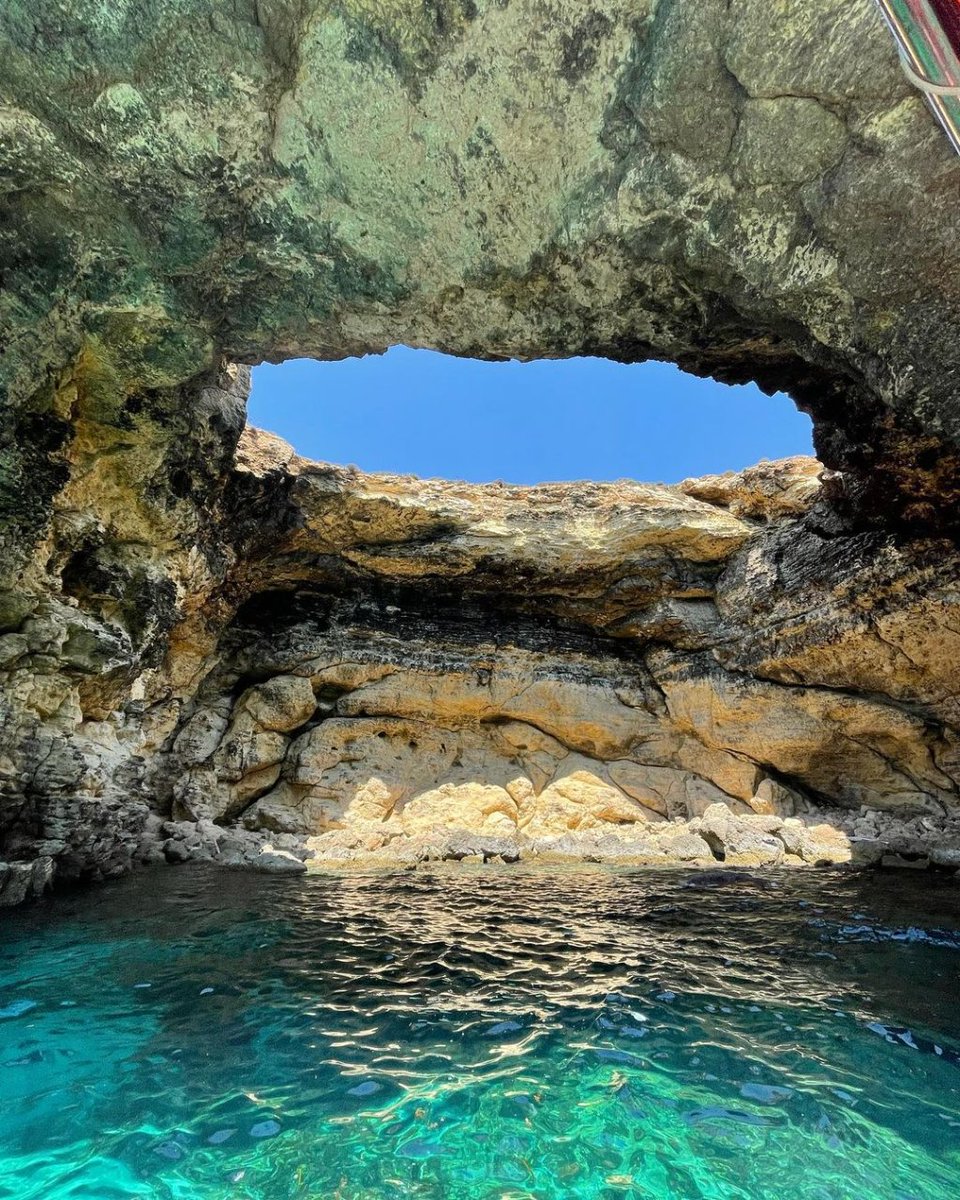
(861, 841)
(864, 840)
(396, 671)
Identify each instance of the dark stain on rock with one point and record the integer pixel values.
(581, 46)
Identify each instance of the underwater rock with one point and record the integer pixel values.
(265, 1129)
(369, 1087)
(764, 1093)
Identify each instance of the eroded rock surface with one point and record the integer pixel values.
(392, 669)
(197, 637)
(750, 190)
(556, 671)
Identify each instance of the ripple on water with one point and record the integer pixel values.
(191, 1035)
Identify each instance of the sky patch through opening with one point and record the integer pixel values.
(429, 414)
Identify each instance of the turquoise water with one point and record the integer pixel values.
(483, 1034)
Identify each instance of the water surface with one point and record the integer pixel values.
(484, 1035)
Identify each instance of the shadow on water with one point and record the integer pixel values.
(484, 1033)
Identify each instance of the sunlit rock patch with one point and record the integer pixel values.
(390, 669)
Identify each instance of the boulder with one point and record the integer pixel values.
(281, 705)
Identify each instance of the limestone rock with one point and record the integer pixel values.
(684, 846)
(739, 841)
(278, 862)
(774, 799)
(197, 623)
(199, 737)
(280, 705)
(20, 880)
(817, 844)
(770, 491)
(417, 716)
(633, 180)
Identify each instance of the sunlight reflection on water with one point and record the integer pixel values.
(497, 1033)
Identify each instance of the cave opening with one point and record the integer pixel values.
(435, 415)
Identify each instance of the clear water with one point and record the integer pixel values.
(485, 1034)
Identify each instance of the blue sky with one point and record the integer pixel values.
(423, 413)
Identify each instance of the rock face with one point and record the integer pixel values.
(391, 669)
(750, 190)
(200, 633)
(425, 667)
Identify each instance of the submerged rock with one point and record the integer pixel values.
(16, 1008)
(265, 1129)
(764, 1093)
(369, 1087)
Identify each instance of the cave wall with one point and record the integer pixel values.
(419, 661)
(749, 190)
(752, 191)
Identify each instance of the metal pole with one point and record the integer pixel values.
(911, 39)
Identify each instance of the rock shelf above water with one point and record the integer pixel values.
(397, 670)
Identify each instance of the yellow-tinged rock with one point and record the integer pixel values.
(475, 807)
(281, 704)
